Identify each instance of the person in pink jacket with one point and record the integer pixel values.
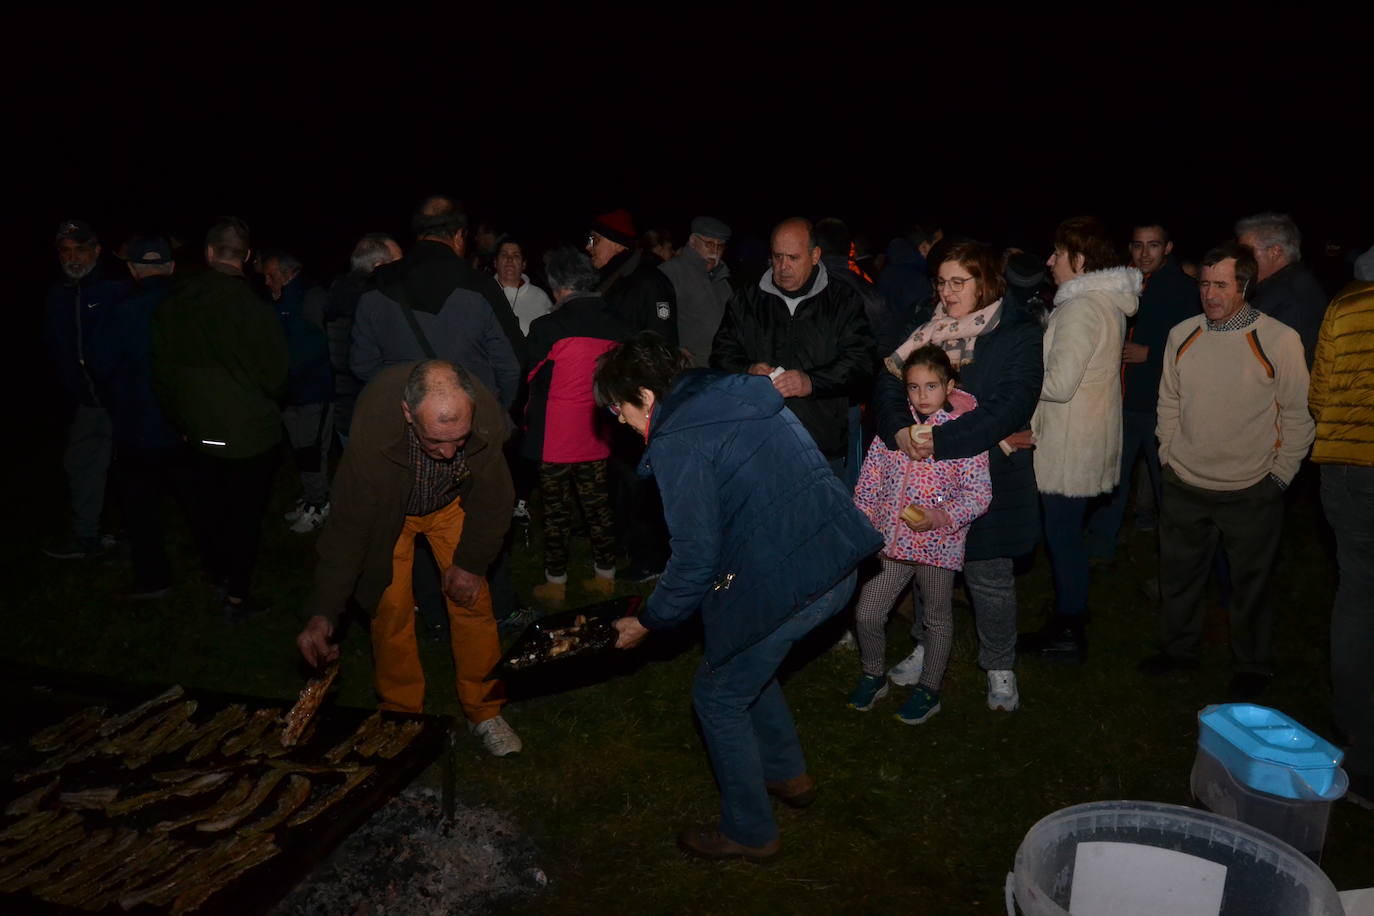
(929, 548)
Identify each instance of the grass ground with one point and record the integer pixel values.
(921, 819)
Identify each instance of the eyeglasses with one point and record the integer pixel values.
(954, 283)
(592, 239)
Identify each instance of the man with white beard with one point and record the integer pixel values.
(77, 307)
(701, 281)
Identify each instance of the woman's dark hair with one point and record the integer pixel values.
(1086, 236)
(645, 360)
(983, 264)
(935, 359)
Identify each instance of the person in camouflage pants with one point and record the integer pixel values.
(557, 483)
(564, 429)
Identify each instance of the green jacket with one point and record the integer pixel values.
(219, 364)
(372, 490)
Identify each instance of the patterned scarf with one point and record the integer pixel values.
(956, 336)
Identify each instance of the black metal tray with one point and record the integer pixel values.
(33, 700)
(589, 665)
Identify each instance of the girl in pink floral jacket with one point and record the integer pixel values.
(950, 495)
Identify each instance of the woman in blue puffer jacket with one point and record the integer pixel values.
(765, 539)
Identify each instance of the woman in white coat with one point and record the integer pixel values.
(1077, 424)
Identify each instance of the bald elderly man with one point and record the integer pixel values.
(805, 331)
(424, 457)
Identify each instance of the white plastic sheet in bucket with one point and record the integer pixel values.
(1129, 858)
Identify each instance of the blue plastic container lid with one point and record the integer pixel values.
(1271, 737)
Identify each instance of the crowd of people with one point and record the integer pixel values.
(813, 432)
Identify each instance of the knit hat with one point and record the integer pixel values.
(616, 226)
(711, 228)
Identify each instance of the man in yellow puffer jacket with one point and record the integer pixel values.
(1341, 399)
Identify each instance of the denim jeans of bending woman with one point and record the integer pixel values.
(1068, 554)
(750, 735)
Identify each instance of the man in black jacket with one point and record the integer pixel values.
(1168, 297)
(74, 316)
(630, 279)
(458, 314)
(807, 333)
(1286, 289)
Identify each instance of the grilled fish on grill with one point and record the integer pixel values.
(322, 804)
(192, 899)
(380, 736)
(226, 819)
(29, 802)
(118, 723)
(311, 697)
(232, 797)
(88, 798)
(57, 862)
(210, 735)
(262, 720)
(405, 733)
(56, 736)
(365, 730)
(186, 789)
(94, 865)
(295, 793)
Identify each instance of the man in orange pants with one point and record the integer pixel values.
(423, 457)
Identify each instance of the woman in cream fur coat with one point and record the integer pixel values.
(1077, 425)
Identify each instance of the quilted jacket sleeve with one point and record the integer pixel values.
(690, 507)
(973, 491)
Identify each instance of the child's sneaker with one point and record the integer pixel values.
(1002, 693)
(907, 672)
(871, 689)
(921, 706)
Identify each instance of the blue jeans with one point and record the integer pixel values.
(750, 735)
(1137, 435)
(1068, 557)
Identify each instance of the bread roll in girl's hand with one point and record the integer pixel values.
(920, 432)
(913, 515)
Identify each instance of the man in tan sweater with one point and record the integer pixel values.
(1233, 428)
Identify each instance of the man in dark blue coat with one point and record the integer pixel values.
(74, 316)
(1168, 297)
(152, 459)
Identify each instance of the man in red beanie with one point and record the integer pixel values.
(630, 279)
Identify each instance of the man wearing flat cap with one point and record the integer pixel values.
(701, 282)
(630, 281)
(75, 314)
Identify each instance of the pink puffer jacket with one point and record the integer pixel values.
(890, 481)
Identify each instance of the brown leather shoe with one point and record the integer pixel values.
(707, 842)
(797, 792)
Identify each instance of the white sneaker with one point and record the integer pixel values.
(311, 518)
(497, 736)
(907, 672)
(296, 511)
(1002, 692)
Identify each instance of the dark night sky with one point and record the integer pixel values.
(318, 127)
